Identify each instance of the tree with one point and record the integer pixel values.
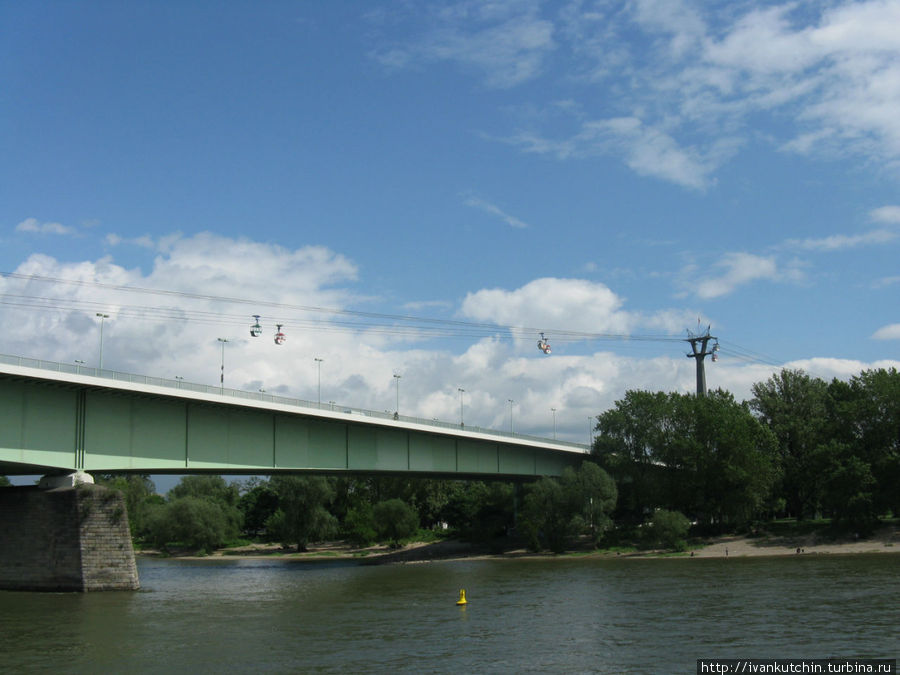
(794, 407)
(629, 440)
(4, 481)
(721, 461)
(207, 486)
(395, 520)
(592, 496)
(302, 515)
(547, 519)
(359, 525)
(137, 490)
(195, 522)
(478, 511)
(667, 529)
(871, 415)
(258, 502)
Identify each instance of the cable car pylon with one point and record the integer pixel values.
(699, 352)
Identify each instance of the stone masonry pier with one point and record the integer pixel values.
(65, 539)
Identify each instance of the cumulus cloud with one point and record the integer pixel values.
(203, 289)
(574, 304)
(34, 226)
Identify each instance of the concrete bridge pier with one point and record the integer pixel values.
(66, 534)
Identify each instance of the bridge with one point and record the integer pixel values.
(67, 421)
(57, 418)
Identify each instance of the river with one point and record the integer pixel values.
(544, 616)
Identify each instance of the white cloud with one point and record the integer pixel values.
(506, 42)
(687, 77)
(172, 334)
(838, 242)
(891, 332)
(647, 150)
(573, 304)
(33, 225)
(495, 210)
(736, 269)
(886, 214)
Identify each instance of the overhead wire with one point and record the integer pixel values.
(398, 325)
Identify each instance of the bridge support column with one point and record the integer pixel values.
(65, 539)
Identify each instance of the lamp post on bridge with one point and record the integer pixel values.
(553, 410)
(319, 368)
(397, 409)
(102, 316)
(510, 414)
(222, 375)
(461, 392)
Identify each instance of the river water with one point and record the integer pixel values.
(544, 616)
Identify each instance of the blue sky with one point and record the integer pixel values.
(610, 168)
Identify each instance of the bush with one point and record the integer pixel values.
(667, 529)
(359, 525)
(193, 522)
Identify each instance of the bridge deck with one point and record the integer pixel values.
(56, 417)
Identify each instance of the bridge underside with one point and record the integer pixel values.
(51, 427)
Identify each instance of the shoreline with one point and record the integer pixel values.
(884, 541)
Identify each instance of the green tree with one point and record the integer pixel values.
(302, 515)
(207, 486)
(869, 418)
(359, 525)
(592, 495)
(257, 503)
(795, 407)
(667, 529)
(547, 520)
(395, 520)
(849, 488)
(4, 481)
(480, 512)
(630, 438)
(195, 522)
(137, 490)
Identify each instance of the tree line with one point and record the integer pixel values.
(800, 448)
(204, 512)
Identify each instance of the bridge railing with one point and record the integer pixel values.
(118, 376)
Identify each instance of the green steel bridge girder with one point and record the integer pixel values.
(57, 425)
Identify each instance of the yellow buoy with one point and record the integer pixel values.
(462, 597)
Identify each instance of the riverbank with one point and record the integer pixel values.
(884, 540)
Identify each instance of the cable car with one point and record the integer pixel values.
(279, 336)
(256, 329)
(715, 355)
(543, 345)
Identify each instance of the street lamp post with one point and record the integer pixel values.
(461, 392)
(78, 364)
(179, 378)
(397, 409)
(222, 375)
(510, 414)
(319, 368)
(553, 410)
(102, 316)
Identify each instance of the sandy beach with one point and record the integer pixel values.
(884, 540)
